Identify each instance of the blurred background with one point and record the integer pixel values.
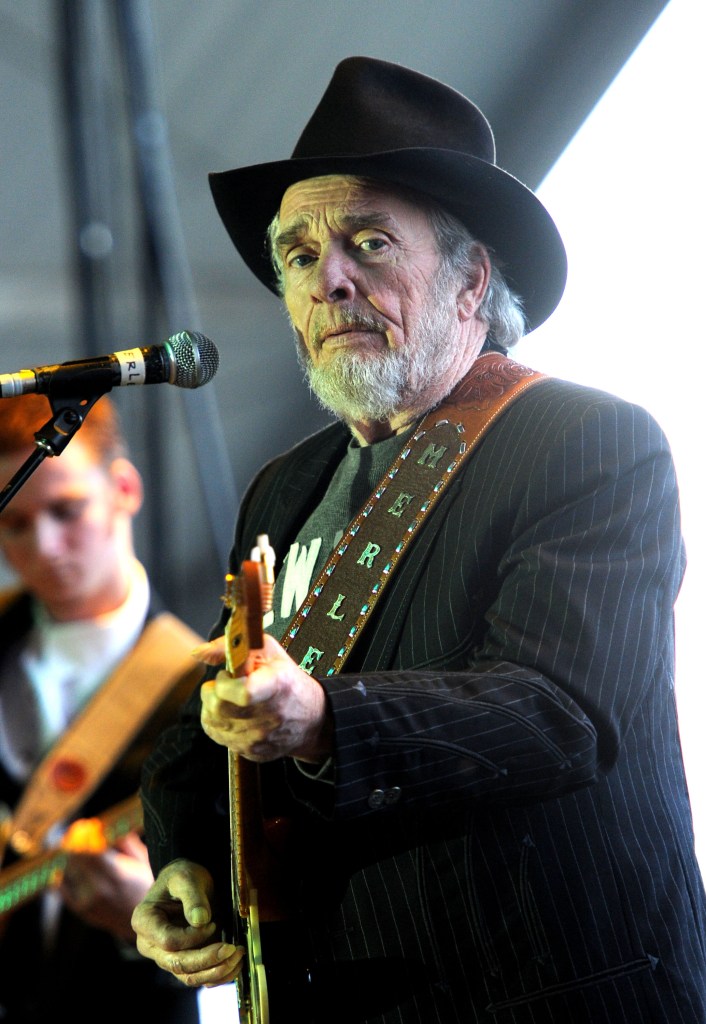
(114, 112)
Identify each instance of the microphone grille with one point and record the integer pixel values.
(195, 359)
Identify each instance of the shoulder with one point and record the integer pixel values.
(560, 443)
(556, 409)
(560, 393)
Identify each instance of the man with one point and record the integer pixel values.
(76, 615)
(483, 788)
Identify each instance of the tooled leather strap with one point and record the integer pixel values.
(100, 734)
(322, 634)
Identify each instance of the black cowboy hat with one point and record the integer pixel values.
(384, 121)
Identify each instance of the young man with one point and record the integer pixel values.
(469, 723)
(75, 616)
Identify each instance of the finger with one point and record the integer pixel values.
(257, 687)
(156, 938)
(220, 713)
(132, 846)
(234, 691)
(190, 962)
(227, 706)
(226, 971)
(212, 652)
(196, 909)
(189, 890)
(213, 964)
(212, 696)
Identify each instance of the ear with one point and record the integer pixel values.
(128, 485)
(471, 295)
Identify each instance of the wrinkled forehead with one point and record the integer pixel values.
(344, 200)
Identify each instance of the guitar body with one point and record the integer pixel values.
(257, 999)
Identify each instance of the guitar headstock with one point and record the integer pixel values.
(249, 596)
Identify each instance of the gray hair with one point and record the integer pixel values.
(500, 307)
(460, 253)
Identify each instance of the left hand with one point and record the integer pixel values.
(275, 709)
(103, 888)
(174, 927)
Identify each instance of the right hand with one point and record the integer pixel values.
(274, 709)
(174, 927)
(103, 888)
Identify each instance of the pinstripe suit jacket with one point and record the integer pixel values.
(508, 809)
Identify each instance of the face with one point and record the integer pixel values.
(382, 333)
(67, 534)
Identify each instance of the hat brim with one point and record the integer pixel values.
(496, 208)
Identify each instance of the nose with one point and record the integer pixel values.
(47, 535)
(334, 277)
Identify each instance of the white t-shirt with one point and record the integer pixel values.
(48, 678)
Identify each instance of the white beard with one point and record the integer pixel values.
(357, 386)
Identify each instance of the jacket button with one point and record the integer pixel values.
(384, 797)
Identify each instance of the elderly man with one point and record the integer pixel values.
(463, 709)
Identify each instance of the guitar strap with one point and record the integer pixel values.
(100, 734)
(322, 634)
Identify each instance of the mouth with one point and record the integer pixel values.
(57, 574)
(343, 333)
(339, 332)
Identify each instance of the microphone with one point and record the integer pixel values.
(187, 359)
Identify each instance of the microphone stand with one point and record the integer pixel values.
(51, 439)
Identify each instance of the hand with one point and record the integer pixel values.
(103, 888)
(275, 709)
(174, 928)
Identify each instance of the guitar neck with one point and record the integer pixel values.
(243, 634)
(253, 839)
(27, 879)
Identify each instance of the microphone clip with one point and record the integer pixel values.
(69, 413)
(51, 439)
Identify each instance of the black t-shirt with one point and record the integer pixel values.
(358, 473)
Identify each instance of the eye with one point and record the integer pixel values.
(68, 511)
(298, 258)
(373, 244)
(12, 525)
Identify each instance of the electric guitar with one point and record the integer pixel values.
(254, 867)
(292, 985)
(29, 878)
